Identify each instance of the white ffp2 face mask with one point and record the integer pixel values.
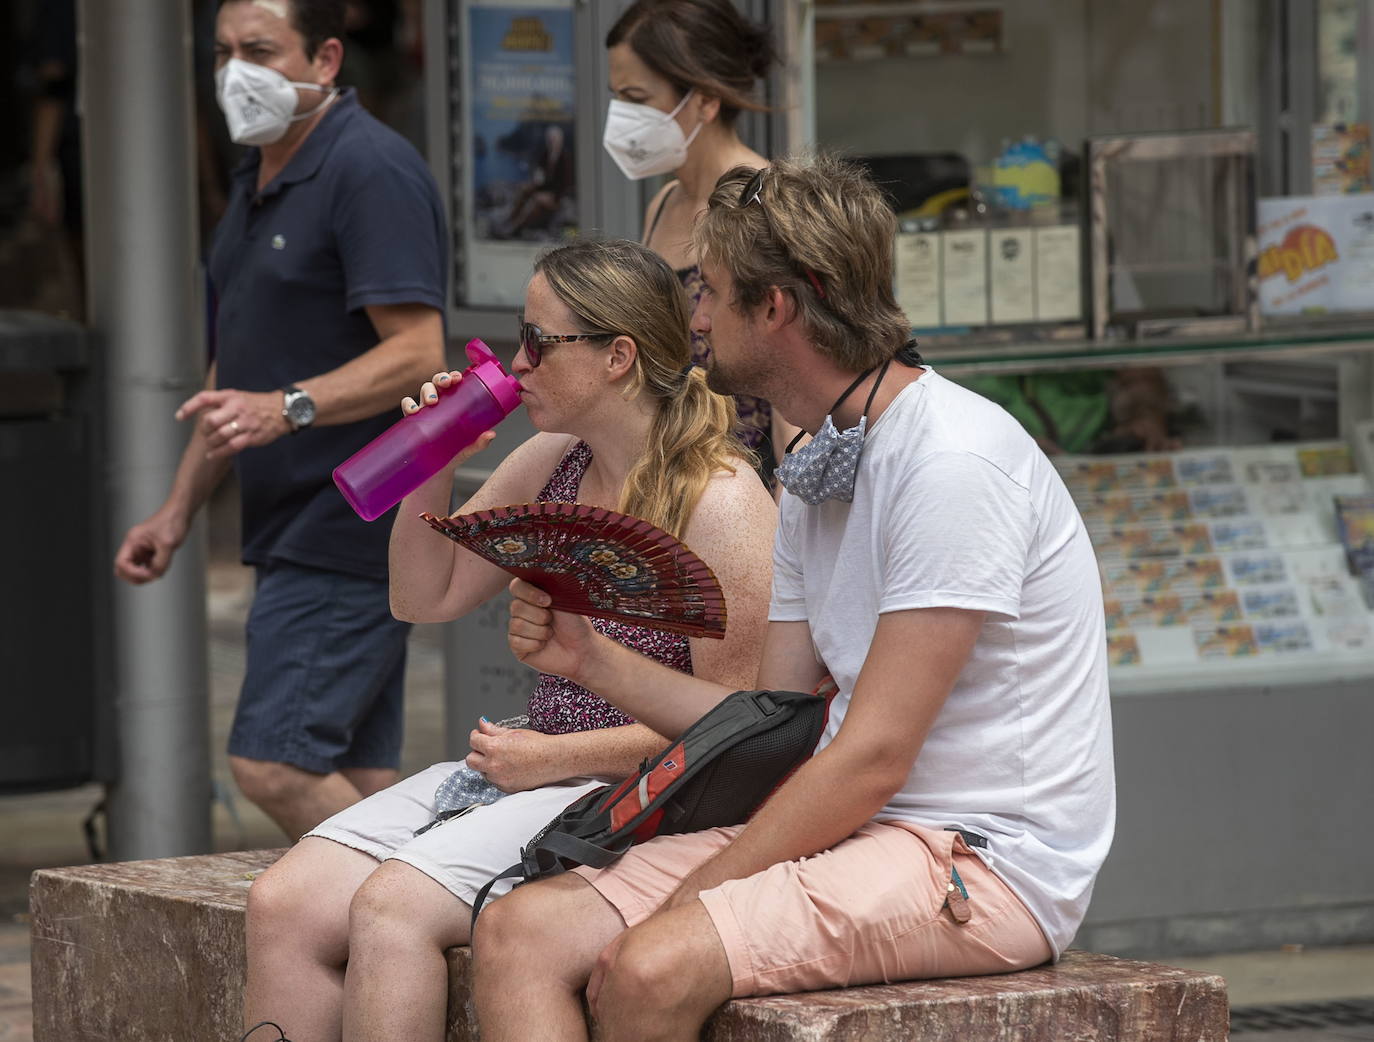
(644, 141)
(259, 103)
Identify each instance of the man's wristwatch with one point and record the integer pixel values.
(298, 408)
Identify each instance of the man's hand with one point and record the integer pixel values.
(556, 642)
(148, 547)
(513, 759)
(231, 421)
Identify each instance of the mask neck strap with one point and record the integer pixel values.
(874, 393)
(840, 401)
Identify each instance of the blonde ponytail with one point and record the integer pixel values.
(692, 437)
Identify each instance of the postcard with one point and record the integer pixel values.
(1088, 476)
(1165, 610)
(1249, 569)
(1271, 602)
(1213, 468)
(1225, 641)
(1239, 535)
(1272, 471)
(1135, 541)
(1115, 614)
(1219, 501)
(1211, 607)
(1353, 634)
(1124, 508)
(1318, 461)
(1283, 637)
(1123, 649)
(1151, 472)
(1135, 577)
(1331, 596)
(1195, 538)
(1279, 497)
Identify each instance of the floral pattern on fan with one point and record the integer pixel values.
(597, 562)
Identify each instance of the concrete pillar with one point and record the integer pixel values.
(136, 103)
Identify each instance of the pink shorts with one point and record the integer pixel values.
(873, 908)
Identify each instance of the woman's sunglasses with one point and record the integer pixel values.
(533, 340)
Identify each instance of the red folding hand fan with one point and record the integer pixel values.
(597, 562)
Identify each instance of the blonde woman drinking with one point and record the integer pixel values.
(347, 933)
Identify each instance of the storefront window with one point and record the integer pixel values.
(1147, 230)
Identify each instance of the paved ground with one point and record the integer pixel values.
(46, 830)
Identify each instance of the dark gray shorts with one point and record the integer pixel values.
(323, 684)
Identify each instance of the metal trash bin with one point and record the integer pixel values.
(54, 719)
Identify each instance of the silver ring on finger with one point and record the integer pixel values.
(234, 426)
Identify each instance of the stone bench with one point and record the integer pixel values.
(153, 951)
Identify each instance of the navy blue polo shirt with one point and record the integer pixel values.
(353, 220)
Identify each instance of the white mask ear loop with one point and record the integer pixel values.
(700, 123)
(330, 94)
(680, 104)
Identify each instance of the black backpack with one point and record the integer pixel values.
(716, 774)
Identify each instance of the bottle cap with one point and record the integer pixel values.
(486, 367)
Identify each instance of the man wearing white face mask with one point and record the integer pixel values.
(327, 275)
(929, 558)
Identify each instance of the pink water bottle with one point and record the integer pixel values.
(397, 462)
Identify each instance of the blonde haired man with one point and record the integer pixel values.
(929, 558)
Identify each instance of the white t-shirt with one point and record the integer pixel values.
(956, 506)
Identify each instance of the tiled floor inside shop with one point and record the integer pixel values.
(1297, 995)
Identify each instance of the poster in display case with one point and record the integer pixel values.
(1316, 254)
(518, 185)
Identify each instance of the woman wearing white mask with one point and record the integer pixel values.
(680, 73)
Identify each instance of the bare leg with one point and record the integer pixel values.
(368, 780)
(400, 924)
(295, 799)
(533, 954)
(298, 939)
(662, 979)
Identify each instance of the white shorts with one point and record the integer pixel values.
(462, 854)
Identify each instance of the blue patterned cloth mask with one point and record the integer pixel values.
(827, 466)
(466, 788)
